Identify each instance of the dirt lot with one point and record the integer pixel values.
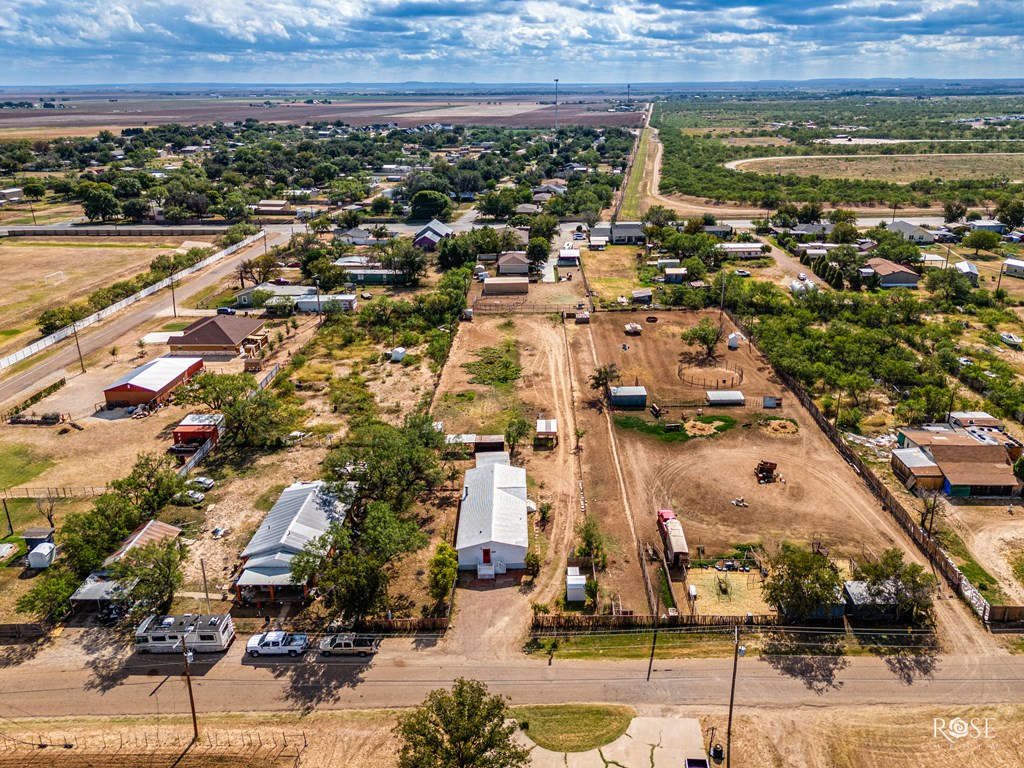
(899, 169)
(87, 264)
(611, 272)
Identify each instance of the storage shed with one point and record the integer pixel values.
(628, 397)
(197, 428)
(676, 275)
(42, 555)
(725, 397)
(506, 286)
(643, 296)
(575, 585)
(35, 536)
(547, 430)
(154, 381)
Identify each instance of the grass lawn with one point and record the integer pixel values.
(657, 428)
(574, 727)
(177, 325)
(630, 210)
(637, 645)
(18, 465)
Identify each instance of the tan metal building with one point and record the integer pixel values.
(506, 286)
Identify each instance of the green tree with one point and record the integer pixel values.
(604, 376)
(537, 250)
(157, 569)
(135, 209)
(1010, 211)
(908, 585)
(953, 211)
(982, 240)
(707, 334)
(800, 582)
(34, 189)
(152, 483)
(429, 204)
(444, 567)
(659, 216)
(101, 205)
(464, 728)
(951, 285)
(516, 431)
(217, 391)
(842, 216)
(380, 206)
(51, 598)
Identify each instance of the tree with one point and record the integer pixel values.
(260, 269)
(34, 189)
(842, 216)
(537, 250)
(604, 377)
(380, 206)
(952, 285)
(1009, 211)
(51, 598)
(592, 543)
(908, 585)
(252, 416)
(151, 484)
(659, 216)
(429, 204)
(933, 505)
(843, 232)
(953, 210)
(707, 334)
(982, 240)
(801, 582)
(157, 569)
(217, 391)
(464, 728)
(515, 432)
(444, 568)
(135, 209)
(101, 205)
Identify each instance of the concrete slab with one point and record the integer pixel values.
(549, 269)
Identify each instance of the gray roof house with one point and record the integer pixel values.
(244, 297)
(911, 232)
(969, 269)
(628, 233)
(303, 512)
(492, 533)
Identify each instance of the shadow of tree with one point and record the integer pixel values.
(18, 653)
(814, 658)
(908, 655)
(312, 682)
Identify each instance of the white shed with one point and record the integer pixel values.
(492, 533)
(575, 585)
(398, 354)
(42, 556)
(725, 397)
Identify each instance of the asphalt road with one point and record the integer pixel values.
(402, 675)
(105, 333)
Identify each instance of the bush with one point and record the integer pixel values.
(532, 560)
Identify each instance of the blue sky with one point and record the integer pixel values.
(580, 41)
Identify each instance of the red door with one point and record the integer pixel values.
(487, 557)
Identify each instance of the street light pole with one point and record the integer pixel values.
(556, 103)
(739, 650)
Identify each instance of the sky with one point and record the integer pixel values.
(67, 42)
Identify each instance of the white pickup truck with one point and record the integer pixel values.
(277, 644)
(349, 644)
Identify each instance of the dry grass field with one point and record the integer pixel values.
(611, 272)
(33, 267)
(899, 169)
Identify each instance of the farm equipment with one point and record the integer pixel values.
(634, 329)
(766, 473)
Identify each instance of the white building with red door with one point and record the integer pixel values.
(492, 534)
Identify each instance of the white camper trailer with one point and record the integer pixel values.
(202, 633)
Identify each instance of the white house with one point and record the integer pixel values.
(1013, 268)
(911, 232)
(492, 534)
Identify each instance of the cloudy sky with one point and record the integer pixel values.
(495, 41)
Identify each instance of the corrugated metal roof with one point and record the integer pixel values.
(303, 512)
(147, 533)
(628, 391)
(157, 374)
(724, 396)
(547, 426)
(203, 420)
(493, 507)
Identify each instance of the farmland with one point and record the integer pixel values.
(899, 169)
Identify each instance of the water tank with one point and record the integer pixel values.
(42, 556)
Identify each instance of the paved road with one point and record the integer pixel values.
(104, 334)
(401, 675)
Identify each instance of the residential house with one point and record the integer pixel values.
(513, 263)
(740, 250)
(355, 236)
(152, 532)
(891, 274)
(244, 300)
(303, 512)
(911, 232)
(1013, 268)
(221, 335)
(968, 269)
(989, 225)
(273, 208)
(153, 382)
(492, 533)
(601, 229)
(628, 233)
(432, 233)
(527, 209)
(721, 231)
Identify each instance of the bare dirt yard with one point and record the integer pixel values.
(611, 272)
(41, 274)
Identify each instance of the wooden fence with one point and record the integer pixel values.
(999, 614)
(430, 625)
(572, 623)
(21, 631)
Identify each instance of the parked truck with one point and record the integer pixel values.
(349, 644)
(277, 644)
(677, 553)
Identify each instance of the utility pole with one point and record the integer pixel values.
(319, 313)
(657, 621)
(10, 526)
(206, 588)
(174, 303)
(556, 104)
(999, 282)
(739, 650)
(74, 329)
(191, 699)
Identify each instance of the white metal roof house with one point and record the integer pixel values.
(911, 232)
(492, 534)
(303, 512)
